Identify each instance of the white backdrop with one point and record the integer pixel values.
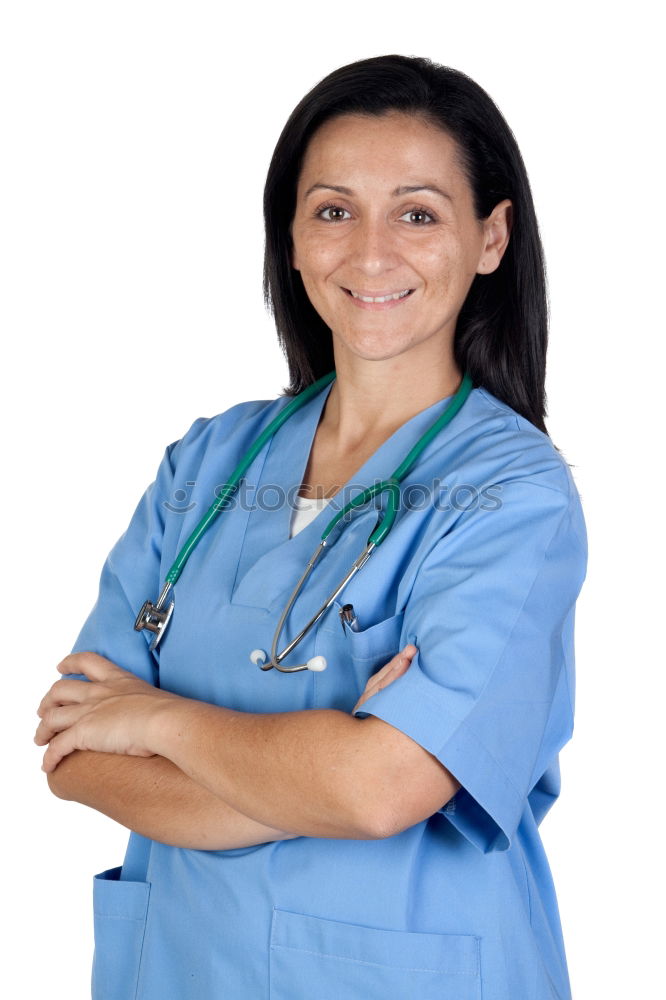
(136, 136)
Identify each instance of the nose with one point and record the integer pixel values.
(373, 250)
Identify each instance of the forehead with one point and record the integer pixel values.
(396, 144)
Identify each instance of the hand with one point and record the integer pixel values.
(393, 669)
(110, 712)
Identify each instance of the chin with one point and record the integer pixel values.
(372, 350)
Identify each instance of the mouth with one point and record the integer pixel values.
(379, 299)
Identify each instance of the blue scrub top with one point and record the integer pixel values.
(481, 572)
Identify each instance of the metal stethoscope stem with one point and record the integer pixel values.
(316, 663)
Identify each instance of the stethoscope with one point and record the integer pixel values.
(156, 617)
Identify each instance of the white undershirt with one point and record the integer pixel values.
(305, 510)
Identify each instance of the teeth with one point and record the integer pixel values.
(381, 298)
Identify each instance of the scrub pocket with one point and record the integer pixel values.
(120, 910)
(325, 959)
(372, 648)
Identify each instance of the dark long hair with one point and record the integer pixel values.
(502, 330)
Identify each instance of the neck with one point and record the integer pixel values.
(373, 398)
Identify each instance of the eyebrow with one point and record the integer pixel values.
(397, 193)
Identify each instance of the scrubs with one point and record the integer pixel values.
(481, 572)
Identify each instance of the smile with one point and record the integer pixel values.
(390, 297)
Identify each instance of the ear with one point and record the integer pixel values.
(497, 230)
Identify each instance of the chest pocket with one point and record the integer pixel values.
(355, 656)
(372, 647)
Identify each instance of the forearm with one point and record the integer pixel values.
(315, 773)
(153, 797)
(319, 773)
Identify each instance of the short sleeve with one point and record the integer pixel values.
(136, 567)
(490, 692)
(130, 576)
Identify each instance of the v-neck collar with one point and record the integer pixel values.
(378, 467)
(268, 529)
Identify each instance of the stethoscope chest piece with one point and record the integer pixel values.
(155, 618)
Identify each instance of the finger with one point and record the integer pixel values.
(64, 692)
(387, 668)
(91, 665)
(393, 669)
(396, 666)
(406, 654)
(398, 662)
(56, 720)
(59, 747)
(410, 651)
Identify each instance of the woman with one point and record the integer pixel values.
(370, 829)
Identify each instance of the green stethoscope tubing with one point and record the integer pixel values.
(156, 619)
(390, 485)
(246, 461)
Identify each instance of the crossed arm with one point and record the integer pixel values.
(196, 775)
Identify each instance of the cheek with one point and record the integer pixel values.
(437, 255)
(311, 250)
(311, 258)
(321, 250)
(320, 292)
(448, 267)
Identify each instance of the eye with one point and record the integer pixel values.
(332, 213)
(419, 217)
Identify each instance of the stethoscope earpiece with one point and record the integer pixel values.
(260, 659)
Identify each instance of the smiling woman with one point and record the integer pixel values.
(386, 272)
(369, 831)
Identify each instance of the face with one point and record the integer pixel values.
(385, 236)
